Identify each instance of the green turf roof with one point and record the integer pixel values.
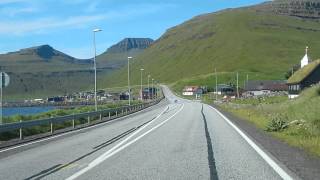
(302, 73)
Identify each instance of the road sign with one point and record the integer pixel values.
(4, 79)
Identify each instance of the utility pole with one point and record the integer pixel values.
(141, 70)
(237, 84)
(149, 86)
(246, 81)
(215, 72)
(152, 88)
(2, 85)
(129, 80)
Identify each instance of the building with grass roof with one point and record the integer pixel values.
(305, 77)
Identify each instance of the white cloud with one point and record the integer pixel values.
(16, 11)
(11, 1)
(40, 25)
(43, 25)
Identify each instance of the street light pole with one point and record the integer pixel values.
(129, 90)
(141, 83)
(149, 86)
(152, 89)
(215, 72)
(1, 79)
(237, 84)
(95, 68)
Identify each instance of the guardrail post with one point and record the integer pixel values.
(73, 123)
(122, 112)
(116, 113)
(51, 127)
(88, 119)
(100, 116)
(20, 131)
(126, 110)
(109, 115)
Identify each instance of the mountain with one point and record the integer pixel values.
(116, 56)
(40, 58)
(44, 71)
(259, 40)
(40, 71)
(128, 44)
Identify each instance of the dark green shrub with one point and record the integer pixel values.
(278, 122)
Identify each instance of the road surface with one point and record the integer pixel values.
(172, 140)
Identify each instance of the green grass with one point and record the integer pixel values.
(304, 111)
(262, 100)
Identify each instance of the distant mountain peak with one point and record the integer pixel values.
(130, 43)
(43, 51)
(47, 53)
(298, 8)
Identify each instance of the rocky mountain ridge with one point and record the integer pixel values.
(129, 44)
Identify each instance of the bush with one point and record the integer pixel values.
(277, 123)
(315, 126)
(318, 91)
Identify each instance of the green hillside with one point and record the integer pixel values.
(116, 59)
(247, 40)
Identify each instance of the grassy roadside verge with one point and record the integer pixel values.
(296, 122)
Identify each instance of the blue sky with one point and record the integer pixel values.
(67, 24)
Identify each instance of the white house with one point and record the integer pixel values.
(189, 90)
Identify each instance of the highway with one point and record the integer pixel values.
(172, 140)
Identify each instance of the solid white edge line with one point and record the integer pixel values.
(108, 154)
(283, 174)
(72, 131)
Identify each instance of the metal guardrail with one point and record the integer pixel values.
(110, 113)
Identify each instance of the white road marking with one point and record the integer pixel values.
(269, 160)
(74, 131)
(110, 153)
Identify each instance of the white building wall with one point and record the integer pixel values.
(187, 93)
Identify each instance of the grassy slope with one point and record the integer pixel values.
(116, 59)
(233, 40)
(305, 109)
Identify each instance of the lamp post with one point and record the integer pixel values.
(95, 68)
(129, 90)
(152, 88)
(141, 70)
(149, 86)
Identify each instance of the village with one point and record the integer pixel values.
(306, 75)
(87, 98)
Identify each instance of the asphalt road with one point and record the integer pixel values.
(172, 140)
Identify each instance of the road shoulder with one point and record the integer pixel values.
(296, 160)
